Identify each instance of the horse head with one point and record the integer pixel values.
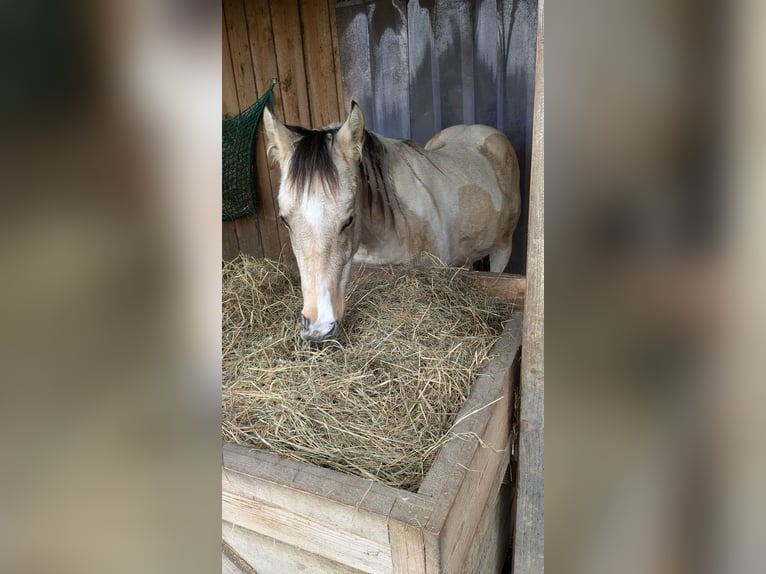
(318, 203)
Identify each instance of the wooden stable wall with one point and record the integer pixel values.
(296, 42)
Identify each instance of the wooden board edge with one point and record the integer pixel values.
(477, 410)
(529, 531)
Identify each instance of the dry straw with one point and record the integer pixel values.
(378, 401)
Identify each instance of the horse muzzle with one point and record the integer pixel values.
(319, 332)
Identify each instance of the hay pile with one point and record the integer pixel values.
(376, 403)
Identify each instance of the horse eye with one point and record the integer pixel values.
(284, 222)
(348, 222)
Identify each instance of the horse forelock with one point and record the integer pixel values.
(311, 161)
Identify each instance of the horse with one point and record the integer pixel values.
(347, 195)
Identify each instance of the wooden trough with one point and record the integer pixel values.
(282, 515)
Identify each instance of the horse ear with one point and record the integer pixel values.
(350, 136)
(279, 139)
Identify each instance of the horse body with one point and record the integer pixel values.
(456, 199)
(349, 194)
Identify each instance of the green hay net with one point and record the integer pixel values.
(239, 157)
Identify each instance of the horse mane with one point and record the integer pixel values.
(311, 158)
(375, 185)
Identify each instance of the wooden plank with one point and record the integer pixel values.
(269, 556)
(318, 56)
(230, 107)
(248, 236)
(230, 243)
(529, 536)
(455, 485)
(389, 66)
(320, 537)
(406, 521)
(425, 100)
(239, 44)
(264, 59)
(354, 46)
(229, 102)
(336, 58)
(454, 45)
(309, 507)
(344, 490)
(482, 482)
(490, 545)
(247, 93)
(233, 563)
(286, 24)
(504, 286)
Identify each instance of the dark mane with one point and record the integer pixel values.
(377, 196)
(311, 158)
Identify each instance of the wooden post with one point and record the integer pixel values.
(529, 538)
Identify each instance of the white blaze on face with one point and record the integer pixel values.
(325, 313)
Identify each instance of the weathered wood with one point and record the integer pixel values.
(247, 93)
(490, 544)
(263, 55)
(269, 556)
(247, 234)
(229, 102)
(239, 46)
(389, 67)
(468, 470)
(504, 286)
(230, 244)
(233, 563)
(336, 58)
(320, 69)
(286, 25)
(529, 536)
(356, 77)
(340, 517)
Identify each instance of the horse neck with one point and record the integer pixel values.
(379, 205)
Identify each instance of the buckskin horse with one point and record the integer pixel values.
(347, 194)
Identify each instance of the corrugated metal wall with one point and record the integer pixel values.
(419, 66)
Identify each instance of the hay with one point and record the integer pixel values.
(379, 401)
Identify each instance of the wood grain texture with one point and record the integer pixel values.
(320, 537)
(248, 236)
(286, 25)
(229, 108)
(296, 42)
(340, 517)
(320, 68)
(529, 538)
(263, 55)
(466, 470)
(490, 544)
(336, 59)
(235, 20)
(229, 102)
(269, 556)
(230, 243)
(233, 563)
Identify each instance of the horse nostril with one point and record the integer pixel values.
(304, 322)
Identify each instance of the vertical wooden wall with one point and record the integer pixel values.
(296, 42)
